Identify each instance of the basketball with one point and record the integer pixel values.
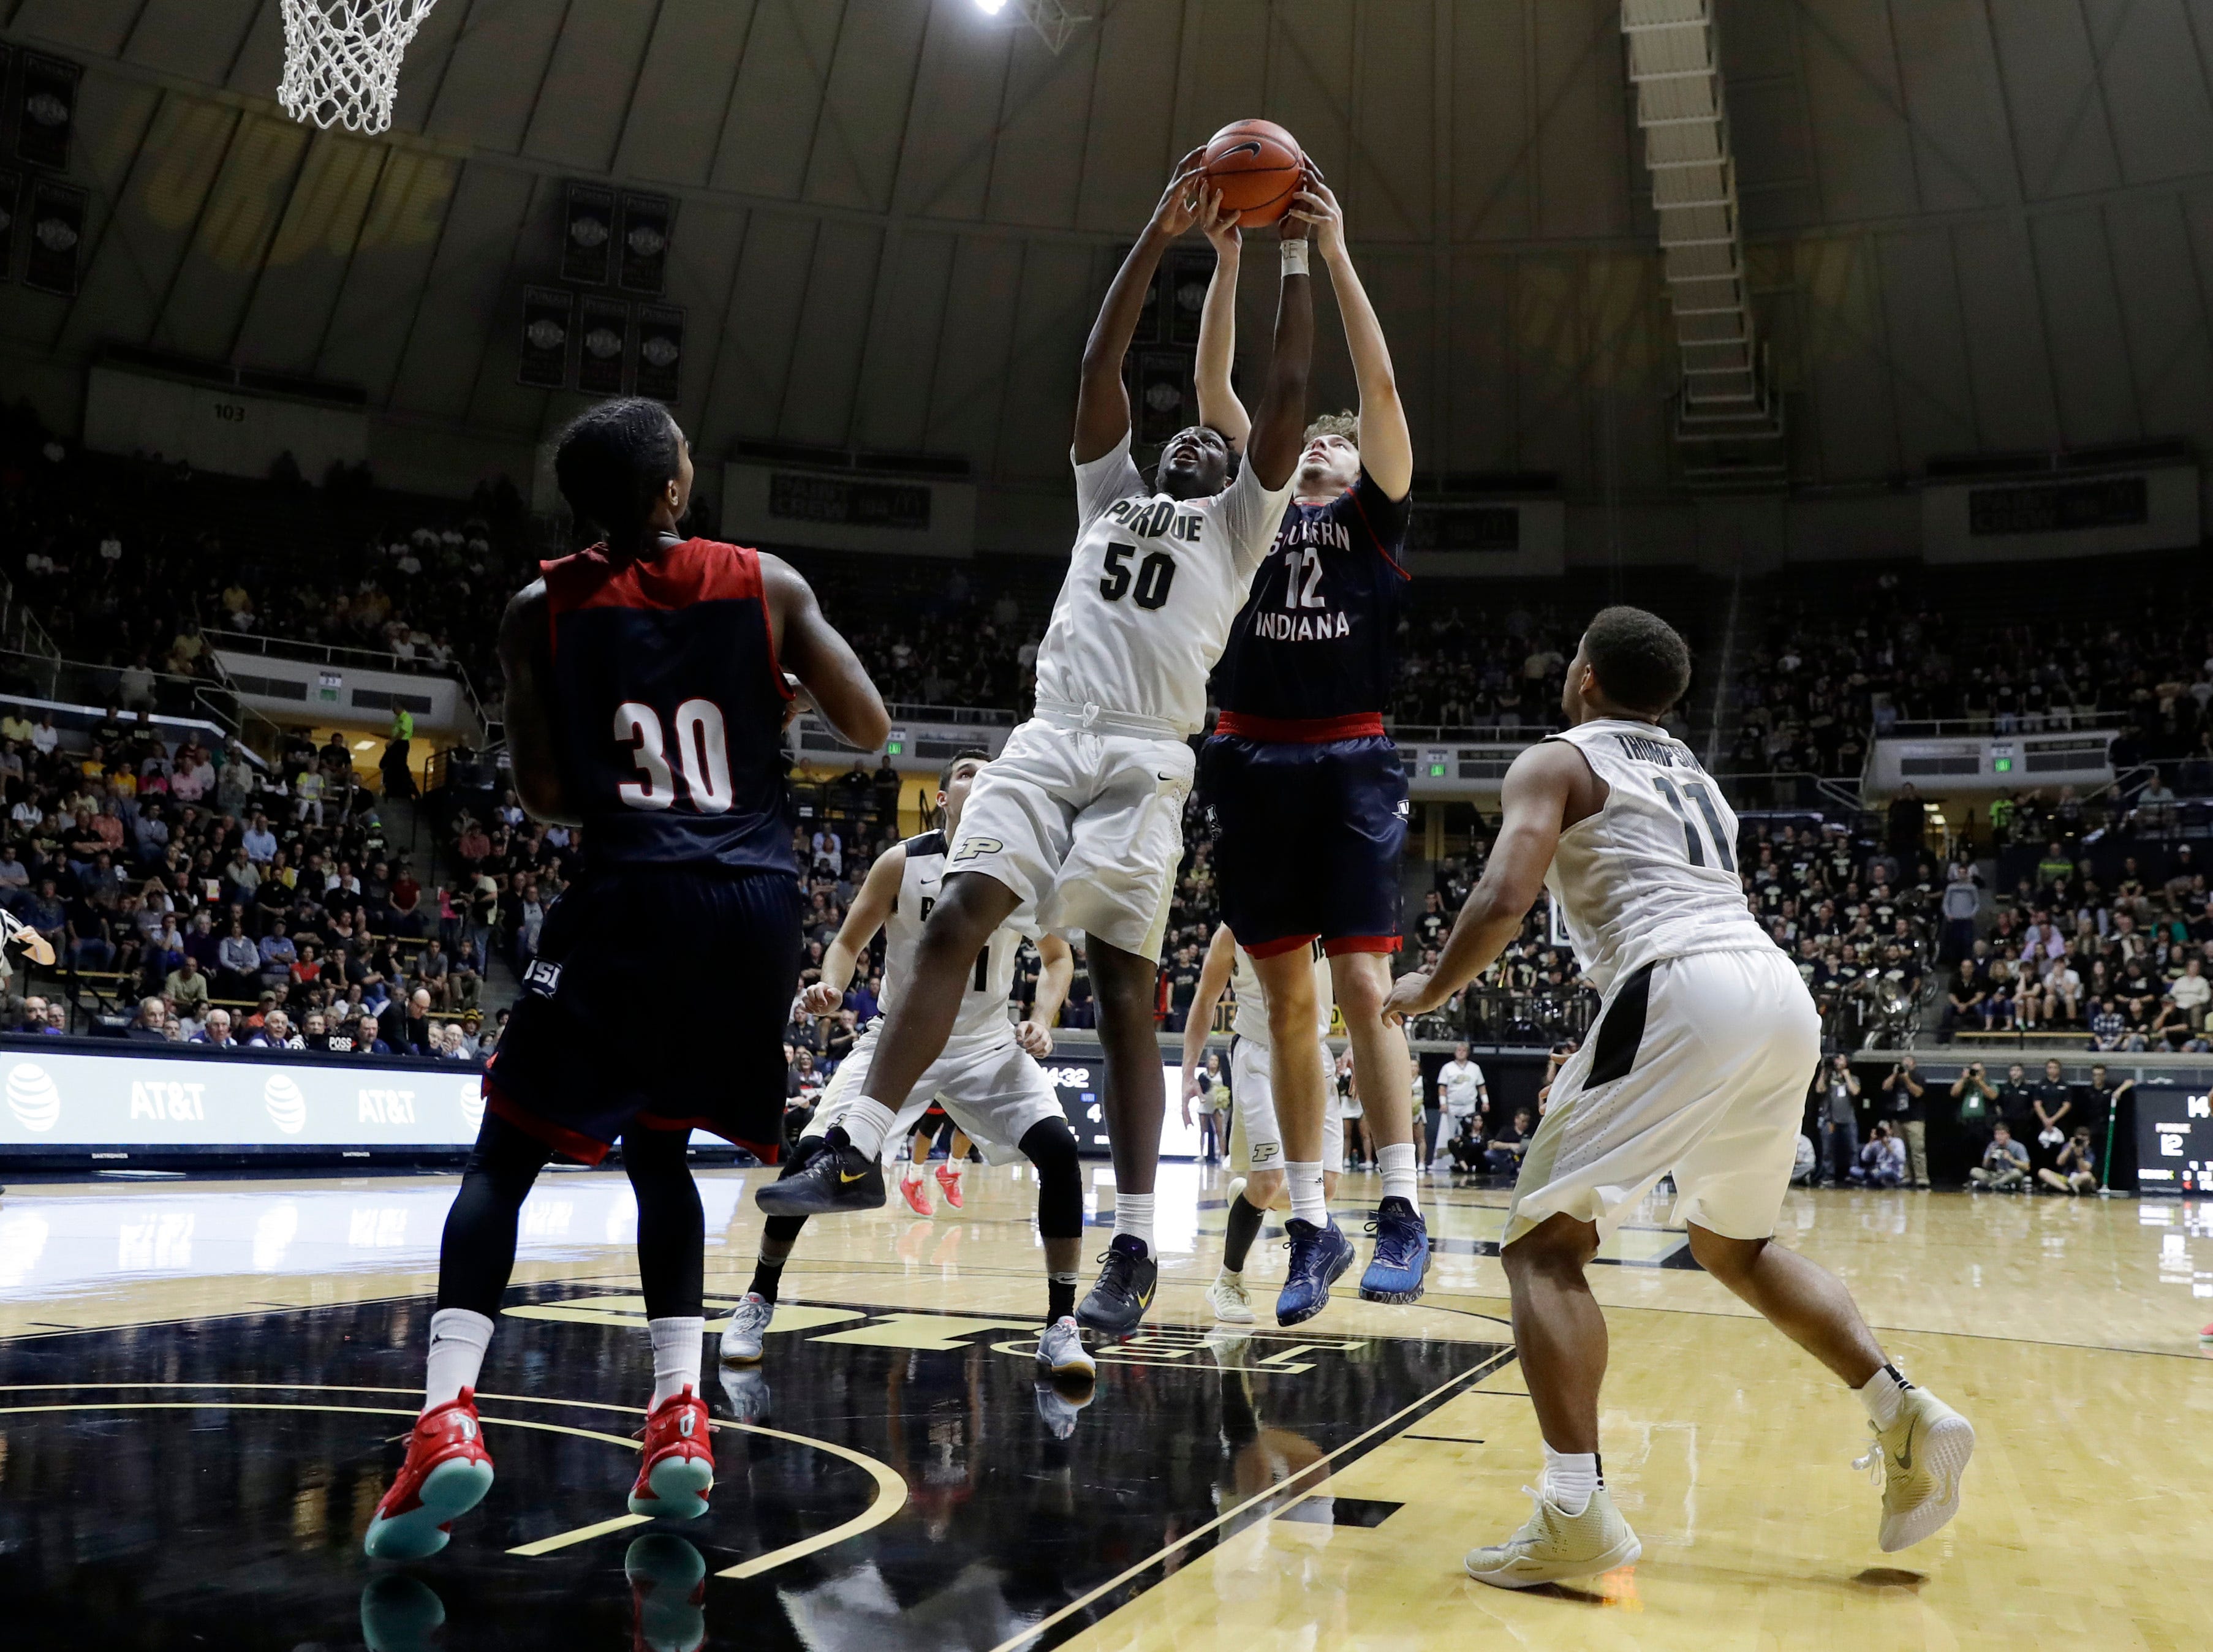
(1255, 164)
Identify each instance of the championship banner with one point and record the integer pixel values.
(56, 230)
(544, 362)
(1184, 283)
(1163, 381)
(11, 190)
(588, 234)
(45, 116)
(657, 367)
(642, 248)
(603, 332)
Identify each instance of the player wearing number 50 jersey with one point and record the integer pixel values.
(1078, 823)
(1696, 1068)
(645, 704)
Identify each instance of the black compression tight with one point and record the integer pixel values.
(477, 1253)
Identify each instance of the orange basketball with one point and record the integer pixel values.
(1255, 164)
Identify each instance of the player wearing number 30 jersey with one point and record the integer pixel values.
(1696, 1068)
(645, 699)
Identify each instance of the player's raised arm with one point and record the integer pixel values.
(810, 648)
(1549, 786)
(1386, 447)
(1213, 976)
(1218, 407)
(879, 892)
(526, 660)
(1103, 404)
(1056, 969)
(1279, 423)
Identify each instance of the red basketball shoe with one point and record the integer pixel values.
(950, 1180)
(447, 1473)
(916, 1200)
(677, 1465)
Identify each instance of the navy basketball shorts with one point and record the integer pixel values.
(1307, 840)
(657, 1001)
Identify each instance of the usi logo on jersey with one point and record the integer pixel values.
(542, 977)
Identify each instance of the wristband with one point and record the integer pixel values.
(1294, 257)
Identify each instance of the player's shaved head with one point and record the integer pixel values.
(614, 460)
(1641, 663)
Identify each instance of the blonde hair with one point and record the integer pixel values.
(1346, 424)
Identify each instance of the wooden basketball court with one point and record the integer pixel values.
(203, 1381)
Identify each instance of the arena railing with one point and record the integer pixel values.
(2074, 720)
(298, 648)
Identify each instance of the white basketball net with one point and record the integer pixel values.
(342, 60)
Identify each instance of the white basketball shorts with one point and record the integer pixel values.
(992, 1087)
(1257, 1141)
(1697, 1065)
(1088, 829)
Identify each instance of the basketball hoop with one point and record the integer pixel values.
(342, 60)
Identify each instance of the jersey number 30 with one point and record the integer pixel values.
(1155, 575)
(703, 754)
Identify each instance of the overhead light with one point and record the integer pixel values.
(991, 8)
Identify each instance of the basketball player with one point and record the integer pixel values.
(1260, 1138)
(935, 1126)
(1698, 1069)
(1303, 788)
(987, 1079)
(646, 700)
(1078, 824)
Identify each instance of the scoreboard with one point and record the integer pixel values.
(2174, 1140)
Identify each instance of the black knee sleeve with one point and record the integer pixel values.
(671, 1227)
(1051, 1146)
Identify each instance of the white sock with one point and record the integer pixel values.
(1133, 1215)
(676, 1345)
(458, 1340)
(951, 1169)
(1882, 1394)
(865, 1122)
(911, 1171)
(1397, 1164)
(1305, 1182)
(1569, 1478)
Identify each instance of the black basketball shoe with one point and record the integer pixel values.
(837, 1177)
(1117, 1304)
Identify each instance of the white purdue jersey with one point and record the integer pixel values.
(1652, 875)
(1153, 586)
(991, 978)
(1251, 1022)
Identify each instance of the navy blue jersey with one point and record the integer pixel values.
(1313, 654)
(668, 709)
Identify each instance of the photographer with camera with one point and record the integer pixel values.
(1835, 1087)
(1908, 1116)
(1978, 1100)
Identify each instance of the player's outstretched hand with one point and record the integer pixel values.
(1035, 1039)
(1219, 228)
(1412, 994)
(1316, 204)
(822, 999)
(1180, 201)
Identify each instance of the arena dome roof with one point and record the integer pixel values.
(1970, 227)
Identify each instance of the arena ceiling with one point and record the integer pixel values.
(1973, 224)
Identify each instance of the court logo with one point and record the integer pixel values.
(288, 1108)
(470, 1099)
(32, 1098)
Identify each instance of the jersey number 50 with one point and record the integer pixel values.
(703, 754)
(1155, 574)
